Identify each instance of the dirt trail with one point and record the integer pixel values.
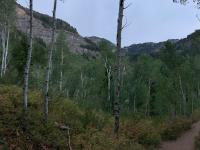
(185, 142)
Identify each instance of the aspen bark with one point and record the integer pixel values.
(147, 111)
(109, 86)
(49, 64)
(28, 62)
(3, 51)
(6, 51)
(69, 139)
(183, 95)
(134, 104)
(108, 71)
(61, 70)
(198, 94)
(67, 93)
(83, 82)
(117, 84)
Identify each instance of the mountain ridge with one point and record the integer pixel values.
(182, 45)
(42, 30)
(89, 45)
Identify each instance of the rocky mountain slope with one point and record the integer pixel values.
(89, 45)
(184, 45)
(42, 29)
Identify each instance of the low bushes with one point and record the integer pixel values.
(197, 142)
(95, 140)
(171, 130)
(89, 129)
(195, 116)
(143, 131)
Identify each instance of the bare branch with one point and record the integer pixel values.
(126, 24)
(197, 17)
(27, 4)
(128, 6)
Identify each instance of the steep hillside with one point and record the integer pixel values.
(182, 45)
(42, 29)
(90, 45)
(149, 48)
(47, 21)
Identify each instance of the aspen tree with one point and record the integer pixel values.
(49, 63)
(28, 62)
(117, 82)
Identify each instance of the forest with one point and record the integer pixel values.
(59, 90)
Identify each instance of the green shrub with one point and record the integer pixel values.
(143, 132)
(66, 112)
(195, 116)
(197, 142)
(95, 140)
(94, 119)
(149, 135)
(171, 130)
(90, 129)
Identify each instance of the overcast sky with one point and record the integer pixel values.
(149, 20)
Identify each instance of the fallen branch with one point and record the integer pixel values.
(64, 127)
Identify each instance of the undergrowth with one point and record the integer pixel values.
(89, 129)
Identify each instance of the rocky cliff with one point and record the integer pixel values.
(42, 30)
(89, 45)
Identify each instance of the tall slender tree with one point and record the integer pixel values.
(7, 14)
(108, 69)
(61, 70)
(5, 36)
(28, 62)
(49, 63)
(118, 60)
(61, 45)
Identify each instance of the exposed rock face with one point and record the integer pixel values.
(39, 31)
(89, 45)
(43, 32)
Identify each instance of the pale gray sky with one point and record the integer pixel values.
(149, 20)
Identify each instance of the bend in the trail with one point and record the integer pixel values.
(185, 142)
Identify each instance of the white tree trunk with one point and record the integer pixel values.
(6, 51)
(28, 62)
(3, 37)
(198, 94)
(134, 104)
(147, 111)
(67, 93)
(61, 70)
(109, 86)
(82, 86)
(183, 95)
(108, 71)
(49, 64)
(117, 82)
